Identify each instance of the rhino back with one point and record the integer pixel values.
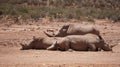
(81, 42)
(82, 29)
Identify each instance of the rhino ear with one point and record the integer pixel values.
(34, 37)
(21, 44)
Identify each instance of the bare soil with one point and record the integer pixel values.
(12, 56)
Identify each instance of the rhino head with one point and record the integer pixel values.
(24, 46)
(107, 47)
(60, 33)
(34, 44)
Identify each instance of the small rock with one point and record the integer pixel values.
(70, 50)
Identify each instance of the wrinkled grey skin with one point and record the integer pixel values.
(38, 43)
(72, 29)
(88, 42)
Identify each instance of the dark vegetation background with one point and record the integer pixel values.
(60, 9)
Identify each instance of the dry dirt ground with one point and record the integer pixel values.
(12, 56)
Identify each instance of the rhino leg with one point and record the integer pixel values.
(92, 47)
(64, 45)
(68, 46)
(98, 49)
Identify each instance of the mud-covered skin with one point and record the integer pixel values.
(38, 43)
(72, 29)
(88, 42)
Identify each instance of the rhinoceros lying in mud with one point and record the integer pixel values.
(38, 43)
(72, 29)
(88, 42)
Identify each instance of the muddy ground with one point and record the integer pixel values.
(12, 56)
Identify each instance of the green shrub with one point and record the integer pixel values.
(62, 9)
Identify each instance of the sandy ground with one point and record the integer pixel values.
(12, 56)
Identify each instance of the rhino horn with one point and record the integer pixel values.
(113, 45)
(53, 46)
(49, 35)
